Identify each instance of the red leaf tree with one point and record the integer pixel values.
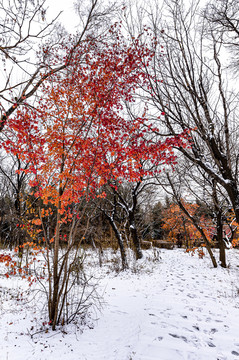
(76, 138)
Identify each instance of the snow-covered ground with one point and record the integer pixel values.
(178, 307)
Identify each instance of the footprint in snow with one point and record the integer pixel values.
(192, 296)
(179, 337)
(159, 338)
(210, 344)
(196, 327)
(184, 316)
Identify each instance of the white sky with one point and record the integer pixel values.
(68, 18)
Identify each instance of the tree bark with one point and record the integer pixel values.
(219, 235)
(135, 237)
(222, 253)
(120, 242)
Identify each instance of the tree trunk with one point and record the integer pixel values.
(219, 235)
(53, 310)
(135, 237)
(120, 242)
(233, 193)
(222, 253)
(17, 206)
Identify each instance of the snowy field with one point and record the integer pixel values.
(170, 307)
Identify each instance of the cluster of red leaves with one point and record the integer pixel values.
(196, 250)
(5, 258)
(76, 138)
(13, 264)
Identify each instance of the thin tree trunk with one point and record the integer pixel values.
(120, 242)
(222, 252)
(54, 303)
(219, 236)
(135, 237)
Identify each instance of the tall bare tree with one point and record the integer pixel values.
(189, 90)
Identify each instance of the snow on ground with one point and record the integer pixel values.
(178, 307)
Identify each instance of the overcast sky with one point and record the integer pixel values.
(68, 17)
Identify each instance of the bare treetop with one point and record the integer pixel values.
(25, 33)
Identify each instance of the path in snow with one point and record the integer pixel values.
(179, 311)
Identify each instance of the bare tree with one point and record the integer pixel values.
(191, 182)
(223, 20)
(128, 200)
(15, 184)
(189, 90)
(112, 211)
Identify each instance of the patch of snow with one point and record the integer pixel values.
(174, 307)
